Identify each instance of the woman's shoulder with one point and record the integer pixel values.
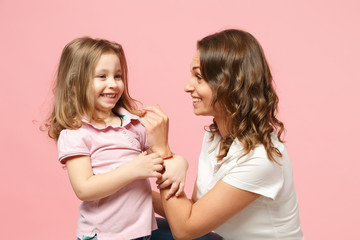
(259, 151)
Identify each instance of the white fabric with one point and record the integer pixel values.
(274, 215)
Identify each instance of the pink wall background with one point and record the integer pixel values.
(313, 49)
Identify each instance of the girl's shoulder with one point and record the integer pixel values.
(73, 142)
(82, 132)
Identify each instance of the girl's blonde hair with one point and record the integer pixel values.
(234, 65)
(73, 90)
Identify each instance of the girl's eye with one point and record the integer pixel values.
(101, 76)
(118, 76)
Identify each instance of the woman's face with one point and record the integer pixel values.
(199, 89)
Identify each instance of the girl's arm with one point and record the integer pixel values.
(193, 197)
(88, 186)
(157, 204)
(189, 220)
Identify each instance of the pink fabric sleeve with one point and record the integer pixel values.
(142, 135)
(72, 143)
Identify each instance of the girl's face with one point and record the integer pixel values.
(199, 89)
(107, 83)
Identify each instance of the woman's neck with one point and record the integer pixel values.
(220, 122)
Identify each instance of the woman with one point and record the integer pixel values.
(244, 187)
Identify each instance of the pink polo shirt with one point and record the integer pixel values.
(128, 213)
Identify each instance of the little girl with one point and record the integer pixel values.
(102, 142)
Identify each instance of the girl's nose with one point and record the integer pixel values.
(112, 82)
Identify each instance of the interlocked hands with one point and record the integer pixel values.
(156, 124)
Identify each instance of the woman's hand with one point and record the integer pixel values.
(174, 175)
(156, 124)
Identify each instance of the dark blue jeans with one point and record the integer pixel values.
(164, 233)
(95, 238)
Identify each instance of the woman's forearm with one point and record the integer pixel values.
(178, 214)
(191, 220)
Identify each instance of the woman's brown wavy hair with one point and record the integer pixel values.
(74, 99)
(233, 64)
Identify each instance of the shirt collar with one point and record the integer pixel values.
(235, 150)
(125, 115)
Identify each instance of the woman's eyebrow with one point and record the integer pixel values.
(195, 67)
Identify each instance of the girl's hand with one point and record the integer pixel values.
(174, 175)
(89, 187)
(156, 124)
(147, 165)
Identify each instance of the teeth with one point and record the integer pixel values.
(196, 100)
(109, 95)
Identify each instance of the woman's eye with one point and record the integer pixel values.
(198, 77)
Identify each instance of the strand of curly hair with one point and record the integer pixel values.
(243, 90)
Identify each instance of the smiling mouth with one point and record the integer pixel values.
(108, 95)
(196, 99)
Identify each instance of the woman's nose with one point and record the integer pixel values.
(188, 86)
